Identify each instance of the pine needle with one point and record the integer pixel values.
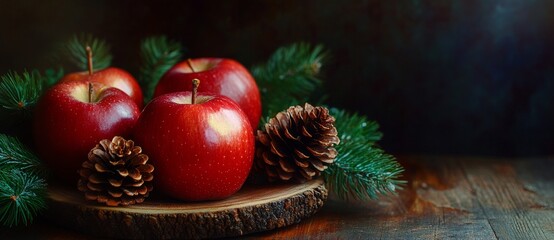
(22, 196)
(158, 54)
(22, 184)
(361, 170)
(355, 127)
(52, 76)
(289, 77)
(18, 93)
(15, 155)
(74, 51)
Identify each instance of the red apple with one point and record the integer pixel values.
(113, 77)
(69, 121)
(202, 150)
(219, 76)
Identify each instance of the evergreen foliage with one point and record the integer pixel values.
(361, 170)
(15, 155)
(22, 184)
(158, 54)
(19, 93)
(74, 51)
(289, 77)
(22, 197)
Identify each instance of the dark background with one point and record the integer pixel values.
(441, 77)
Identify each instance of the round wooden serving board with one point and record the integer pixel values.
(252, 209)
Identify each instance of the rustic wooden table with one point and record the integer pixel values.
(446, 198)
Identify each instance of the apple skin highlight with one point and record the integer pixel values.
(219, 76)
(201, 151)
(113, 77)
(66, 126)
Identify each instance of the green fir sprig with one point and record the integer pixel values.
(289, 77)
(22, 183)
(22, 197)
(53, 76)
(19, 93)
(74, 51)
(361, 170)
(355, 127)
(158, 54)
(15, 155)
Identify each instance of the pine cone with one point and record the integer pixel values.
(116, 173)
(297, 144)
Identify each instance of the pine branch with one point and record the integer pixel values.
(361, 170)
(355, 128)
(18, 93)
(158, 54)
(22, 197)
(15, 155)
(289, 77)
(52, 76)
(74, 51)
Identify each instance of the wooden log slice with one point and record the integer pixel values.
(252, 209)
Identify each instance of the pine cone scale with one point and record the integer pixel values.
(263, 138)
(115, 182)
(85, 172)
(305, 132)
(147, 177)
(100, 168)
(93, 178)
(94, 187)
(290, 136)
(101, 156)
(91, 197)
(123, 172)
(300, 154)
(317, 164)
(143, 190)
(284, 175)
(135, 184)
(275, 149)
(116, 173)
(301, 163)
(286, 166)
(297, 143)
(139, 159)
(145, 168)
(117, 163)
(267, 160)
(115, 194)
(129, 193)
(135, 174)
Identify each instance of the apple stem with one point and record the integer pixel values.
(195, 83)
(89, 59)
(189, 62)
(90, 89)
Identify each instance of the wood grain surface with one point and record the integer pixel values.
(252, 209)
(446, 198)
